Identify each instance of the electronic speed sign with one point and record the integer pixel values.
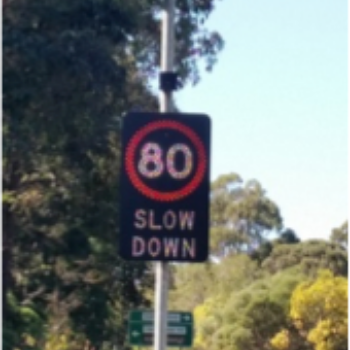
(165, 187)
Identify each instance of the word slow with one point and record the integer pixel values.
(164, 247)
(170, 220)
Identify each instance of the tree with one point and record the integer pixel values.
(192, 284)
(207, 320)
(309, 256)
(289, 338)
(247, 317)
(243, 301)
(241, 215)
(340, 235)
(287, 236)
(319, 312)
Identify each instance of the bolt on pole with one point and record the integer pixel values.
(165, 102)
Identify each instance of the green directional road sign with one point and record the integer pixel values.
(148, 316)
(179, 330)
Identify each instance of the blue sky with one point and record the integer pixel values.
(278, 99)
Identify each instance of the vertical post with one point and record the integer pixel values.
(165, 102)
(167, 51)
(161, 299)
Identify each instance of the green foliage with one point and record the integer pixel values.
(340, 235)
(192, 284)
(243, 301)
(241, 215)
(320, 310)
(233, 274)
(250, 316)
(318, 314)
(195, 44)
(26, 321)
(287, 236)
(309, 256)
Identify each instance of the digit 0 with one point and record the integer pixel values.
(170, 161)
(152, 166)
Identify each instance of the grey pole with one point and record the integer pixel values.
(167, 51)
(165, 101)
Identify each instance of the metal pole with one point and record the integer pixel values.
(167, 51)
(160, 319)
(165, 102)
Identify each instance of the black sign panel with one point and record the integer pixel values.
(165, 187)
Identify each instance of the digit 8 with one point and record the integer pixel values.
(151, 153)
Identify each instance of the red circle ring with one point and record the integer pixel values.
(137, 181)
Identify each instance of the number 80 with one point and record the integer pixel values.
(151, 153)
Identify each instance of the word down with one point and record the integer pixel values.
(155, 245)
